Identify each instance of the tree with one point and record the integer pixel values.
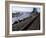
(35, 10)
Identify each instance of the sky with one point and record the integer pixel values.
(23, 9)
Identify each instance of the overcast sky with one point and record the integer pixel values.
(23, 9)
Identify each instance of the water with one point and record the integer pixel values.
(21, 17)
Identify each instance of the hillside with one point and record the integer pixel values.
(30, 23)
